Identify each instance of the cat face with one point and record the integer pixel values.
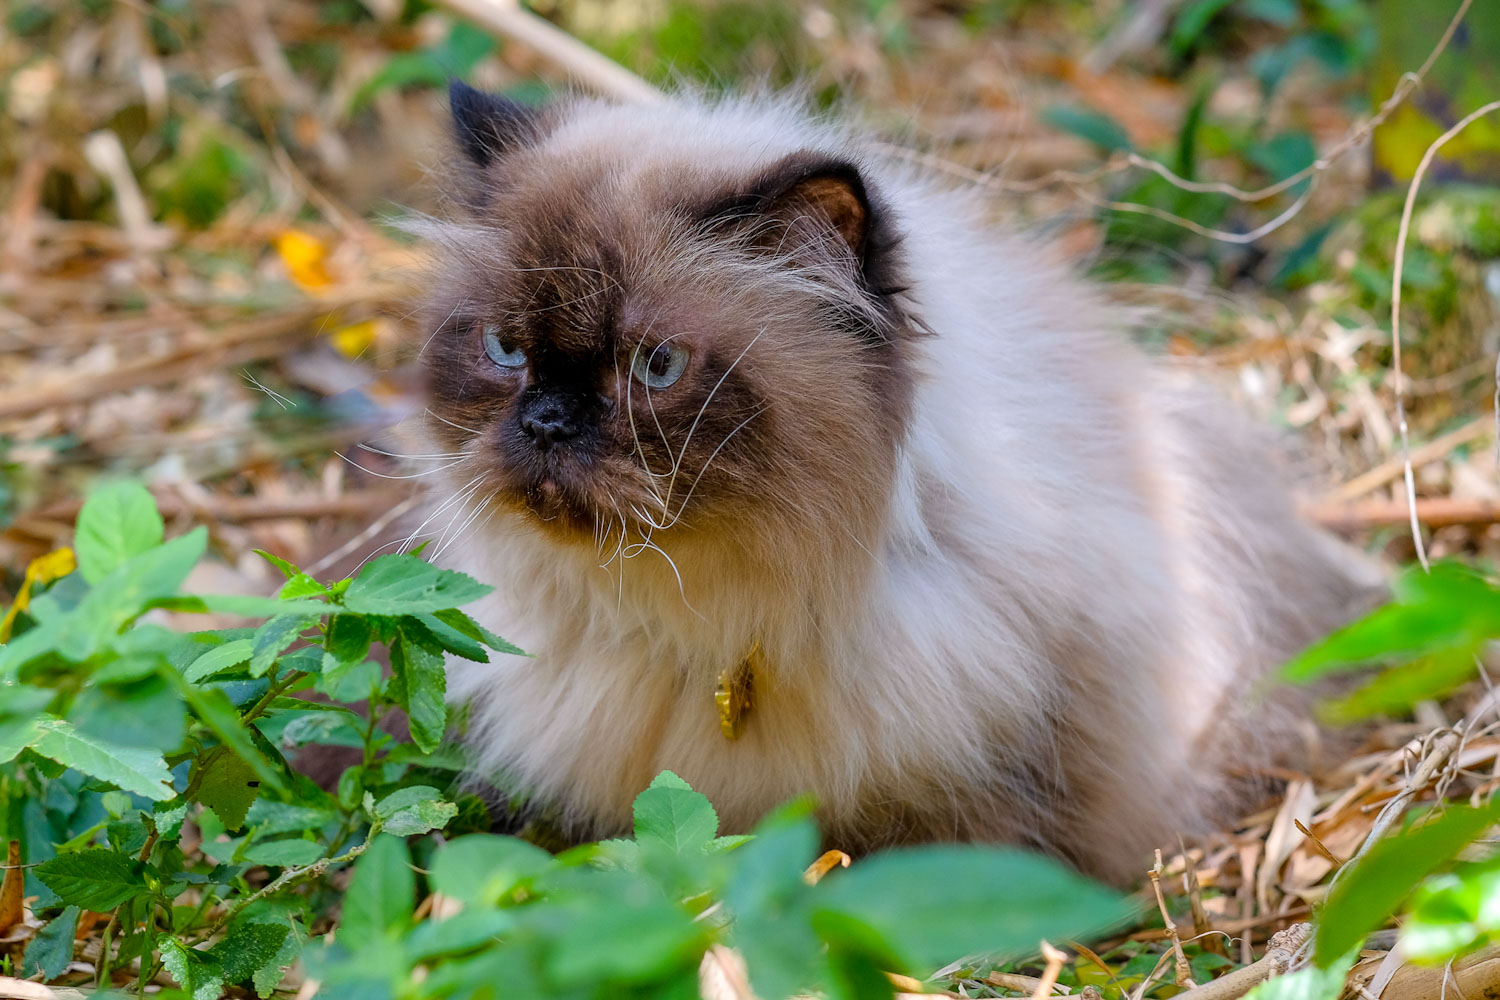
(661, 341)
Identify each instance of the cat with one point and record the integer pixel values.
(795, 477)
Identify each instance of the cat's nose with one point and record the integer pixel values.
(549, 426)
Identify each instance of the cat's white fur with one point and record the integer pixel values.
(1048, 636)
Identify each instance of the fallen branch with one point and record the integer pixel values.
(1434, 512)
(1392, 470)
(254, 340)
(1277, 960)
(359, 503)
(594, 70)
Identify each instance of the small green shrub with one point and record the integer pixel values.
(145, 777)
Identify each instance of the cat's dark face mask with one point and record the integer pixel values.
(652, 345)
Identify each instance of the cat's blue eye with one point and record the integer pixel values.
(503, 354)
(660, 366)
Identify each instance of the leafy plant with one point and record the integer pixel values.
(145, 776)
(1428, 639)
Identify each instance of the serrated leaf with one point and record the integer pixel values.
(300, 585)
(195, 971)
(414, 810)
(269, 975)
(229, 787)
(135, 770)
(51, 952)
(287, 569)
(672, 814)
(381, 894)
(1368, 890)
(463, 623)
(272, 638)
(96, 879)
(419, 685)
(435, 631)
(247, 948)
(405, 585)
(96, 621)
(214, 708)
(230, 654)
(118, 522)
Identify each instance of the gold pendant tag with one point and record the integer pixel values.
(733, 694)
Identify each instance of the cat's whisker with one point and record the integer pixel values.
(681, 507)
(439, 328)
(677, 465)
(437, 512)
(437, 456)
(444, 546)
(445, 420)
(382, 475)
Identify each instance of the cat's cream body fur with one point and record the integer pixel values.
(1042, 627)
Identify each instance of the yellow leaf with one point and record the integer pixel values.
(43, 569)
(356, 338)
(305, 257)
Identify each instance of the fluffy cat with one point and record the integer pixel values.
(737, 405)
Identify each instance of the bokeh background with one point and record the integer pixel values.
(200, 281)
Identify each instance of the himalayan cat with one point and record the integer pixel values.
(795, 478)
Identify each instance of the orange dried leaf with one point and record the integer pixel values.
(305, 257)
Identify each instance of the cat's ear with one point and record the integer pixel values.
(828, 191)
(488, 126)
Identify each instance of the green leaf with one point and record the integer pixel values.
(629, 934)
(670, 813)
(1086, 123)
(242, 605)
(480, 868)
(51, 952)
(771, 904)
(247, 948)
(118, 522)
(413, 810)
(195, 971)
(405, 585)
(95, 622)
(229, 787)
(1368, 890)
(418, 684)
(1451, 608)
(930, 905)
(381, 895)
(282, 853)
(463, 624)
(1315, 982)
(272, 638)
(287, 569)
(135, 770)
(1444, 919)
(434, 631)
(300, 585)
(269, 976)
(219, 714)
(230, 654)
(1191, 23)
(1396, 690)
(97, 879)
